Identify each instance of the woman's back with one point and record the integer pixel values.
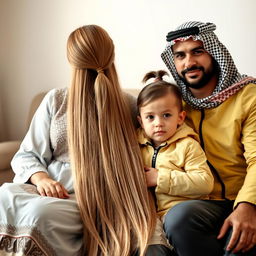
(108, 171)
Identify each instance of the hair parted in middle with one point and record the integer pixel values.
(157, 89)
(116, 208)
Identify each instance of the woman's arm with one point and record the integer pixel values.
(35, 154)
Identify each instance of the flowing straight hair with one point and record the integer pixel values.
(116, 208)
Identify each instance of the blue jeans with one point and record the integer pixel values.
(192, 228)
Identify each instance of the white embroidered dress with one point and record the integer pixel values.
(31, 224)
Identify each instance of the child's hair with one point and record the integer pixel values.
(157, 89)
(116, 209)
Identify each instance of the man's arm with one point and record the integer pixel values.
(243, 219)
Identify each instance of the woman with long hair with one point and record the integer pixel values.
(100, 206)
(108, 171)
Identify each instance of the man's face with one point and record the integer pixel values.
(194, 64)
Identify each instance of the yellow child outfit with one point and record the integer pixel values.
(183, 173)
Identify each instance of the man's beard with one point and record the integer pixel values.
(207, 76)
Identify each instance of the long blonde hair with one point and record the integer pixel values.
(116, 209)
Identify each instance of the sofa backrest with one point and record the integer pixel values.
(34, 105)
(39, 97)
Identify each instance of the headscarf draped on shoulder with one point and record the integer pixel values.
(230, 80)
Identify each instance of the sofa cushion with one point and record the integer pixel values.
(7, 151)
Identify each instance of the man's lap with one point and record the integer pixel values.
(194, 226)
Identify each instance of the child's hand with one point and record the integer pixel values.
(151, 176)
(47, 186)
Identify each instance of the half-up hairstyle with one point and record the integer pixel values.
(109, 182)
(157, 89)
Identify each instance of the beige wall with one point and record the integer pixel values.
(33, 36)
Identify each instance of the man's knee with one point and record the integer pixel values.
(180, 216)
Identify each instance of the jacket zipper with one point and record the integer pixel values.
(156, 151)
(153, 165)
(223, 188)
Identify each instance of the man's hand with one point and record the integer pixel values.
(47, 186)
(243, 222)
(151, 176)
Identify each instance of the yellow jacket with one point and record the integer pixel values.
(183, 173)
(228, 136)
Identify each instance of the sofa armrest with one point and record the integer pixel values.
(7, 151)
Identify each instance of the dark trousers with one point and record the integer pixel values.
(192, 228)
(159, 250)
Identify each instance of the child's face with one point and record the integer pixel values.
(160, 118)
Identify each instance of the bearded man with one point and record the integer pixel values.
(221, 107)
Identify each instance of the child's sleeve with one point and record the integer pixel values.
(193, 180)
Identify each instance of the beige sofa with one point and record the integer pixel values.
(9, 148)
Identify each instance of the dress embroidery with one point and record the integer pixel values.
(17, 240)
(58, 129)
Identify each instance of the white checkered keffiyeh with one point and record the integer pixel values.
(230, 80)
